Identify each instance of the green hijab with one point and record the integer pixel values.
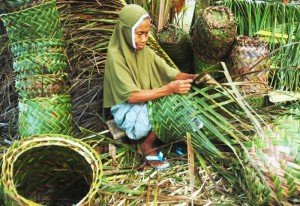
(128, 70)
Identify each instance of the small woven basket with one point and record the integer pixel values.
(45, 85)
(38, 46)
(41, 21)
(51, 170)
(52, 115)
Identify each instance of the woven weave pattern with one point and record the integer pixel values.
(40, 63)
(13, 5)
(44, 63)
(278, 156)
(45, 116)
(177, 45)
(249, 55)
(30, 87)
(172, 116)
(45, 159)
(38, 22)
(214, 34)
(38, 46)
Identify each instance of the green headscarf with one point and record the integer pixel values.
(128, 70)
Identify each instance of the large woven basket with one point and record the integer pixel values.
(214, 34)
(50, 115)
(45, 85)
(38, 46)
(51, 170)
(41, 21)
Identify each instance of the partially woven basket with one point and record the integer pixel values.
(52, 115)
(51, 170)
(41, 21)
(45, 85)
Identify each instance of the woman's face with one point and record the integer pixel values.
(142, 34)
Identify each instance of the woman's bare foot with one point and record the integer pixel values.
(149, 151)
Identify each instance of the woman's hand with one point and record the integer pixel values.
(184, 76)
(180, 86)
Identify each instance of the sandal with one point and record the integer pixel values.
(159, 157)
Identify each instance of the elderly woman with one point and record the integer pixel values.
(134, 74)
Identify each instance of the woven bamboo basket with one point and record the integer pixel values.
(41, 21)
(214, 34)
(50, 115)
(51, 170)
(38, 46)
(177, 44)
(44, 63)
(45, 85)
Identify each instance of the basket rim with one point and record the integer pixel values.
(20, 147)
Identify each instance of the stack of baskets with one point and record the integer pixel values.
(40, 64)
(46, 164)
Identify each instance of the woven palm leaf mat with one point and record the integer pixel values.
(51, 170)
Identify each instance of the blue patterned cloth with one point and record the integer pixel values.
(133, 119)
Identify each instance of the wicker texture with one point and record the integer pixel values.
(214, 34)
(45, 116)
(248, 55)
(33, 166)
(278, 156)
(30, 87)
(177, 44)
(41, 21)
(44, 63)
(13, 5)
(38, 46)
